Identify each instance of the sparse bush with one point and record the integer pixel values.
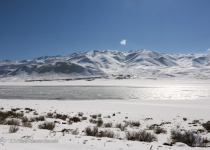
(159, 130)
(29, 109)
(206, 142)
(3, 116)
(25, 119)
(15, 115)
(27, 124)
(94, 116)
(12, 122)
(99, 122)
(121, 126)
(131, 135)
(13, 129)
(40, 118)
(84, 118)
(74, 119)
(195, 121)
(108, 125)
(92, 121)
(60, 116)
(163, 123)
(141, 135)
(91, 131)
(134, 123)
(6, 114)
(65, 131)
(47, 125)
(32, 119)
(49, 115)
(153, 126)
(207, 126)
(200, 130)
(99, 115)
(35, 113)
(18, 115)
(75, 131)
(146, 119)
(2, 121)
(107, 116)
(147, 136)
(106, 133)
(15, 109)
(185, 119)
(80, 114)
(189, 138)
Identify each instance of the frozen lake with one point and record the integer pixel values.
(190, 92)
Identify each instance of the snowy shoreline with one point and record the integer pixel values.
(178, 113)
(109, 82)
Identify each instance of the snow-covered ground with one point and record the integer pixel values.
(168, 113)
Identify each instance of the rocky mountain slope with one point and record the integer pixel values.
(106, 62)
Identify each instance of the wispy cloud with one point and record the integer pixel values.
(208, 50)
(123, 42)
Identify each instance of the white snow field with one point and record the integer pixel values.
(168, 114)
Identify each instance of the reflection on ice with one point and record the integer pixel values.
(97, 92)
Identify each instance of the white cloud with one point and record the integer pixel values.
(123, 42)
(208, 50)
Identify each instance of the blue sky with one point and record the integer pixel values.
(32, 28)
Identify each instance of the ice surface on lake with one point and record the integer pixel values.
(181, 92)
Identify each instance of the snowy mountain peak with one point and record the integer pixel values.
(104, 62)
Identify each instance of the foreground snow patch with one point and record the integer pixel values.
(146, 112)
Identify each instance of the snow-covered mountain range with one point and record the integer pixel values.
(106, 62)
